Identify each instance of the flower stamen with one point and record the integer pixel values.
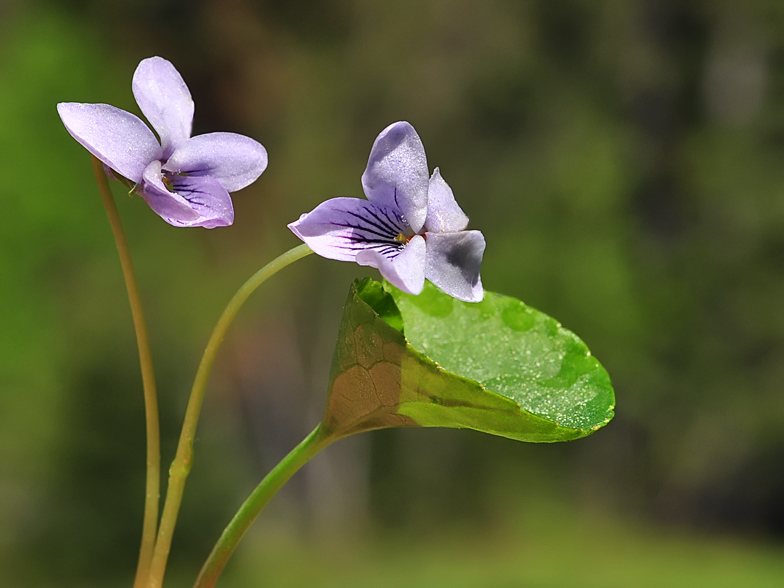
(168, 183)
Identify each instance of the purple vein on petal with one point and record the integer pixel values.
(386, 226)
(341, 227)
(207, 197)
(189, 193)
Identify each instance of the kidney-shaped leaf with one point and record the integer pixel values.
(496, 366)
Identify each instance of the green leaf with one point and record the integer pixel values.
(498, 366)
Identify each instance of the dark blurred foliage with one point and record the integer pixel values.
(624, 160)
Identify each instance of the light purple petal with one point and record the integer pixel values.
(170, 206)
(396, 173)
(196, 202)
(405, 270)
(342, 227)
(208, 199)
(165, 100)
(118, 138)
(233, 160)
(454, 261)
(443, 213)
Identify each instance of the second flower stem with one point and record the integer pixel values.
(181, 466)
(153, 487)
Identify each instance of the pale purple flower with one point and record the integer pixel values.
(410, 227)
(184, 179)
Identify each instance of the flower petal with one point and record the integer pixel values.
(342, 227)
(208, 199)
(233, 160)
(118, 138)
(443, 213)
(454, 261)
(165, 100)
(196, 202)
(396, 173)
(170, 206)
(406, 270)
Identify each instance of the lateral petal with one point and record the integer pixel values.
(340, 228)
(165, 100)
(406, 269)
(233, 160)
(118, 138)
(443, 213)
(454, 261)
(396, 174)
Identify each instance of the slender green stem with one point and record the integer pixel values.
(153, 487)
(250, 509)
(184, 458)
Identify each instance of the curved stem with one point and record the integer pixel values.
(153, 486)
(184, 458)
(250, 509)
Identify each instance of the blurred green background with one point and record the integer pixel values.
(625, 163)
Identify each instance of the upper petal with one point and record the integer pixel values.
(165, 100)
(396, 173)
(454, 261)
(342, 227)
(233, 160)
(118, 138)
(443, 213)
(404, 269)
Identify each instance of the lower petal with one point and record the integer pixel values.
(208, 198)
(194, 202)
(406, 270)
(454, 261)
(168, 205)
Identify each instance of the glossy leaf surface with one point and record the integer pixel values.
(498, 366)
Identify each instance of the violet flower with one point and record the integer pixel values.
(410, 228)
(186, 180)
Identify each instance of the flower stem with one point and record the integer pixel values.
(178, 472)
(153, 486)
(250, 509)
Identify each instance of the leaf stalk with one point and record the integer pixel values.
(318, 439)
